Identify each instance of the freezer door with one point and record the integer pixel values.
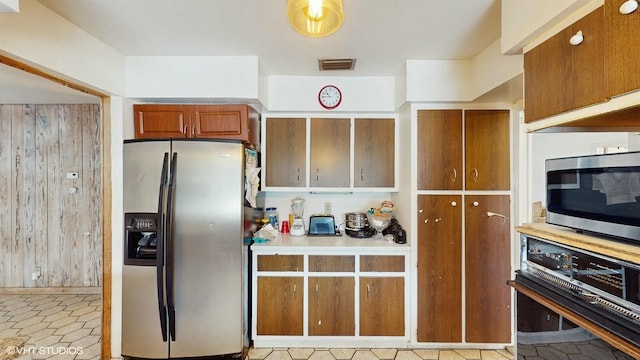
(142, 335)
(207, 248)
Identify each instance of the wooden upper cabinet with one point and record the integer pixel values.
(286, 149)
(560, 77)
(330, 148)
(487, 154)
(227, 122)
(374, 153)
(440, 150)
(623, 49)
(160, 121)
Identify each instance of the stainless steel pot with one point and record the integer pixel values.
(355, 220)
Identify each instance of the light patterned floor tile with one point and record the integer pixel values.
(364, 355)
(322, 355)
(279, 355)
(450, 355)
(300, 353)
(407, 355)
(342, 354)
(492, 355)
(427, 354)
(259, 353)
(385, 353)
(469, 354)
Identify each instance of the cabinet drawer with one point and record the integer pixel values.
(382, 263)
(332, 263)
(280, 262)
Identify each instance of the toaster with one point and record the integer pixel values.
(322, 225)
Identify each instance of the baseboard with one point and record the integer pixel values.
(51, 290)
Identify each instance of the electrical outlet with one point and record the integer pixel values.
(327, 207)
(36, 272)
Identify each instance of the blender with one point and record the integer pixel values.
(297, 208)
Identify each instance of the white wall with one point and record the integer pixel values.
(525, 20)
(202, 77)
(39, 37)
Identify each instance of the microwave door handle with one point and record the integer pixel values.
(169, 252)
(162, 309)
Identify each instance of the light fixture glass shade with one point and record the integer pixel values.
(315, 18)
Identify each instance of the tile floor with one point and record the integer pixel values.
(375, 354)
(55, 326)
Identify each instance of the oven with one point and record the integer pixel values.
(588, 292)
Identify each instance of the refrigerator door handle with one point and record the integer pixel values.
(169, 248)
(162, 310)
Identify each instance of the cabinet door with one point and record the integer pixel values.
(487, 268)
(559, 77)
(280, 304)
(440, 268)
(487, 149)
(331, 306)
(440, 150)
(330, 152)
(220, 122)
(160, 121)
(623, 49)
(382, 306)
(286, 144)
(374, 153)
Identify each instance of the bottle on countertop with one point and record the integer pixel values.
(272, 215)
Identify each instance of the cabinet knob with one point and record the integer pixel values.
(576, 39)
(628, 7)
(475, 203)
(454, 204)
(426, 221)
(420, 211)
(438, 219)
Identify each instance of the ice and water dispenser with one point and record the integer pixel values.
(141, 231)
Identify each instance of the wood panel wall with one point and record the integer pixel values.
(47, 219)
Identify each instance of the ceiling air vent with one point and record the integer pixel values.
(336, 64)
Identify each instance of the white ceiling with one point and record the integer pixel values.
(381, 34)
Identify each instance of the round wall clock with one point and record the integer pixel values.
(330, 97)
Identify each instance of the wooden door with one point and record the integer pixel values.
(559, 77)
(331, 306)
(440, 150)
(330, 152)
(280, 304)
(487, 151)
(374, 153)
(440, 268)
(487, 269)
(623, 49)
(382, 306)
(286, 156)
(160, 121)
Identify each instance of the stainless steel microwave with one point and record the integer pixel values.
(595, 193)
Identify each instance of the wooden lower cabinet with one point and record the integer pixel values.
(382, 306)
(439, 268)
(331, 311)
(280, 305)
(487, 269)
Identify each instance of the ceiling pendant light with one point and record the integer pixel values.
(315, 18)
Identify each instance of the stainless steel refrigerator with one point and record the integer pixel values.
(184, 280)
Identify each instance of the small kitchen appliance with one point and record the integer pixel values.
(297, 226)
(322, 225)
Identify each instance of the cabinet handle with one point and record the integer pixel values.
(186, 131)
(362, 174)
(368, 291)
(576, 39)
(295, 288)
(317, 174)
(455, 176)
(426, 221)
(316, 289)
(298, 174)
(475, 175)
(438, 219)
(193, 131)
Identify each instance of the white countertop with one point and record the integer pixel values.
(344, 243)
